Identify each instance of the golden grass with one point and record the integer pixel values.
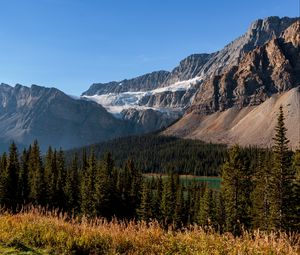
(58, 235)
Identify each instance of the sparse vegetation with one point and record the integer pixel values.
(40, 232)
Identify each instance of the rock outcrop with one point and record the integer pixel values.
(267, 70)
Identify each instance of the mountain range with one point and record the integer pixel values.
(229, 96)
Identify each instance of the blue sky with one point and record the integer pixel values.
(70, 44)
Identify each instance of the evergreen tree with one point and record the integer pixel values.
(22, 187)
(262, 193)
(50, 177)
(4, 190)
(61, 178)
(157, 198)
(168, 200)
(282, 181)
(13, 169)
(236, 189)
(88, 187)
(295, 222)
(36, 176)
(71, 190)
(104, 187)
(179, 218)
(220, 212)
(144, 211)
(207, 212)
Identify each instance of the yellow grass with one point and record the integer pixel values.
(56, 234)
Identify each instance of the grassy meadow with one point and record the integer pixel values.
(40, 232)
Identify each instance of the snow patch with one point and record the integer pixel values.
(117, 102)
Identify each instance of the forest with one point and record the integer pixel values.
(153, 153)
(260, 188)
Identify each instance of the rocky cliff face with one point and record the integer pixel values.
(54, 118)
(208, 82)
(241, 104)
(142, 83)
(149, 120)
(259, 32)
(202, 66)
(188, 68)
(269, 69)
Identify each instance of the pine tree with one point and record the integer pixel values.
(261, 195)
(156, 199)
(13, 169)
(282, 182)
(236, 189)
(295, 221)
(179, 218)
(207, 212)
(71, 188)
(220, 212)
(144, 211)
(168, 200)
(36, 176)
(50, 177)
(23, 188)
(61, 178)
(87, 191)
(4, 190)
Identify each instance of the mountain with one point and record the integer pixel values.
(142, 83)
(251, 125)
(207, 96)
(234, 107)
(54, 118)
(176, 91)
(269, 69)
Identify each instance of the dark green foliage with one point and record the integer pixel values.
(161, 154)
(88, 180)
(236, 189)
(71, 188)
(144, 211)
(261, 195)
(207, 213)
(4, 189)
(168, 201)
(36, 176)
(282, 178)
(22, 186)
(296, 191)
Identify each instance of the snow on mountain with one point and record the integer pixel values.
(117, 102)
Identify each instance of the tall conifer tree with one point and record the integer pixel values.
(283, 176)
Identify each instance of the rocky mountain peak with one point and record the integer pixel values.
(266, 70)
(141, 83)
(292, 34)
(263, 30)
(188, 68)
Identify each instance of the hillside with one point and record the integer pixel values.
(249, 125)
(54, 118)
(236, 106)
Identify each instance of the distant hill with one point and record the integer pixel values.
(53, 118)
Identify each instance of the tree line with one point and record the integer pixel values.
(161, 154)
(259, 189)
